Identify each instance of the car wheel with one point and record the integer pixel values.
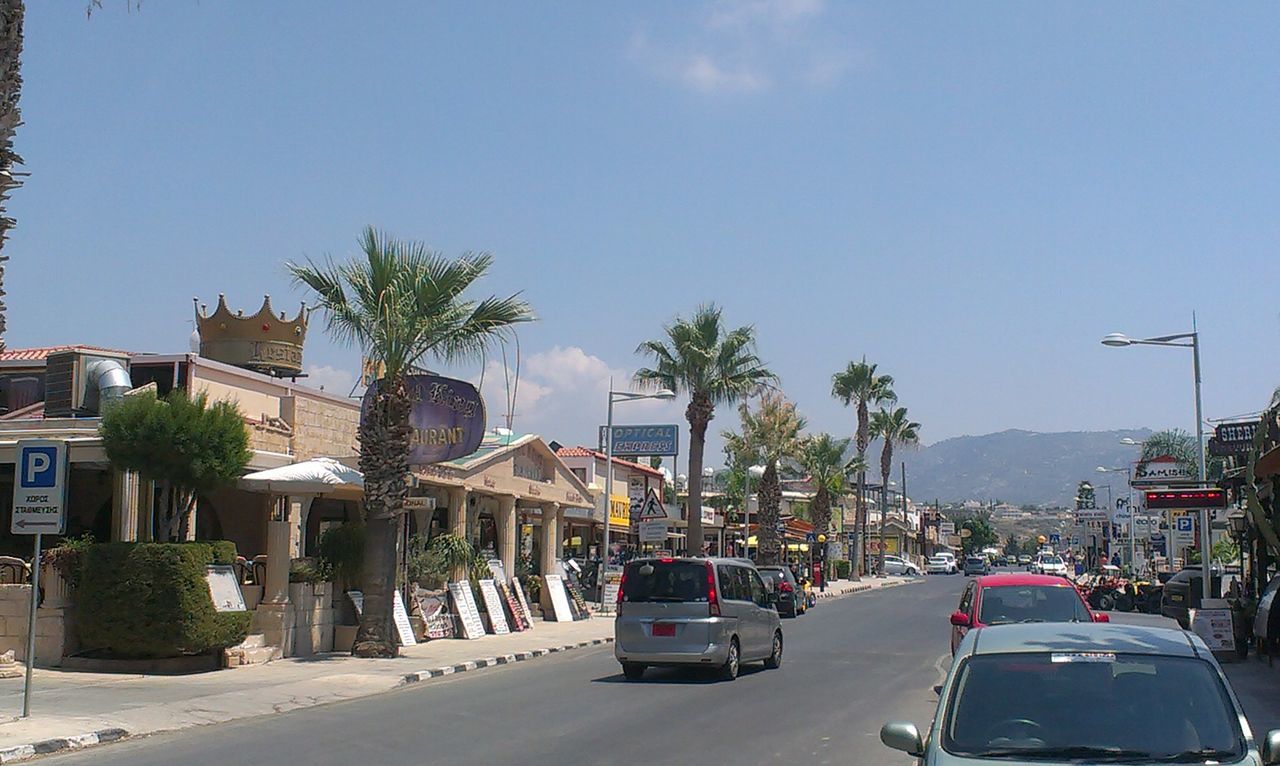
(633, 671)
(729, 670)
(1106, 602)
(775, 660)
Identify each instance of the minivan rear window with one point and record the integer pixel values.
(671, 581)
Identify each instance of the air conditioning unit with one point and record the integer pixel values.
(77, 382)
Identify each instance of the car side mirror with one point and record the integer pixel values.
(960, 620)
(1101, 617)
(904, 736)
(1270, 748)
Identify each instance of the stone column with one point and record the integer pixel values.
(547, 540)
(274, 617)
(458, 525)
(559, 513)
(124, 506)
(507, 533)
(301, 505)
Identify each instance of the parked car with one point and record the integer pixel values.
(1049, 564)
(896, 565)
(791, 597)
(975, 565)
(1053, 693)
(1008, 598)
(940, 565)
(1184, 590)
(1024, 560)
(695, 612)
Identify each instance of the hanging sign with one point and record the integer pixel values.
(493, 605)
(447, 419)
(464, 603)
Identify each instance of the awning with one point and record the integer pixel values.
(317, 476)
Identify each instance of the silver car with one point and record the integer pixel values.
(1043, 693)
(695, 612)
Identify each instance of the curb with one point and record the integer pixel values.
(489, 662)
(865, 588)
(61, 744)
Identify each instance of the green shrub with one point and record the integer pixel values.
(66, 558)
(843, 568)
(309, 569)
(342, 552)
(144, 600)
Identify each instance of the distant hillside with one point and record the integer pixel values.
(1014, 466)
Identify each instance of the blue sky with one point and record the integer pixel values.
(970, 199)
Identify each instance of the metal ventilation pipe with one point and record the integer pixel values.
(106, 380)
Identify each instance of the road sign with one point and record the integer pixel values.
(1184, 531)
(811, 537)
(1055, 539)
(40, 488)
(652, 519)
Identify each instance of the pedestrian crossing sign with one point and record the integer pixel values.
(651, 509)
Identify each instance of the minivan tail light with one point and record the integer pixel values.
(785, 587)
(713, 598)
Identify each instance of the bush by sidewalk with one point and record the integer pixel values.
(151, 600)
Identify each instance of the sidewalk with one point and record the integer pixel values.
(1257, 684)
(71, 710)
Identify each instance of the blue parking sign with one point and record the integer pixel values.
(39, 487)
(39, 467)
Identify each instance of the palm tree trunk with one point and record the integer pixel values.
(886, 468)
(699, 414)
(822, 520)
(769, 497)
(863, 438)
(384, 460)
(11, 28)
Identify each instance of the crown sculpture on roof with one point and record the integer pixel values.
(262, 342)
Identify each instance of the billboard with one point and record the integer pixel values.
(1162, 470)
(447, 418)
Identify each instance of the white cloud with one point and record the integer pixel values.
(562, 395)
(334, 380)
(748, 47)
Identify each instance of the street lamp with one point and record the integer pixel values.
(1119, 339)
(665, 394)
(758, 472)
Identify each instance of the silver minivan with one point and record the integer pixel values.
(695, 612)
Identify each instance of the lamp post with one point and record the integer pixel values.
(758, 472)
(1128, 504)
(1120, 340)
(616, 396)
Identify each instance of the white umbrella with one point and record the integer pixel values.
(320, 476)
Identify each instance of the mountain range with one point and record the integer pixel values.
(1014, 466)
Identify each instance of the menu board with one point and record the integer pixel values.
(493, 605)
(224, 588)
(519, 621)
(439, 621)
(497, 569)
(401, 618)
(524, 602)
(612, 584)
(1214, 626)
(559, 598)
(464, 603)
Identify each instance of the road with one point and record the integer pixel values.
(850, 665)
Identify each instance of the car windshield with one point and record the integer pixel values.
(1051, 560)
(974, 562)
(1031, 603)
(938, 560)
(773, 575)
(681, 581)
(1064, 707)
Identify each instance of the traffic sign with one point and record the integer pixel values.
(651, 508)
(811, 538)
(1055, 539)
(652, 520)
(1184, 530)
(40, 488)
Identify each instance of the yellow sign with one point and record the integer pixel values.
(620, 511)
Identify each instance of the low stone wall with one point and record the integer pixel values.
(313, 618)
(55, 637)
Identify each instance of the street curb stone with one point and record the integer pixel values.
(486, 662)
(60, 744)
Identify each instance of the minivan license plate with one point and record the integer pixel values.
(664, 629)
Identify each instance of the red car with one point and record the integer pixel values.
(1007, 598)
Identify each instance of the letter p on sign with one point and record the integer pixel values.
(40, 468)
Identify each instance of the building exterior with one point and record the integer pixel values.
(631, 483)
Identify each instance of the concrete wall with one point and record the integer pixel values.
(320, 427)
(313, 618)
(54, 636)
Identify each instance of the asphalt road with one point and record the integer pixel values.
(849, 665)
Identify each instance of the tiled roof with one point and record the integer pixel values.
(40, 353)
(584, 452)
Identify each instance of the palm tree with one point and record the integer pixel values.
(774, 431)
(894, 428)
(400, 303)
(714, 366)
(1180, 445)
(11, 27)
(823, 457)
(859, 385)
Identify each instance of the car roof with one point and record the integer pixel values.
(1039, 637)
(1019, 578)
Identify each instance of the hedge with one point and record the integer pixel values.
(149, 600)
(843, 568)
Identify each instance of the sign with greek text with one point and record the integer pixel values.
(448, 418)
(39, 488)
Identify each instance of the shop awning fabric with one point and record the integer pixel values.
(317, 476)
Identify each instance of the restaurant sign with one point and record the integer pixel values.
(447, 418)
(1233, 439)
